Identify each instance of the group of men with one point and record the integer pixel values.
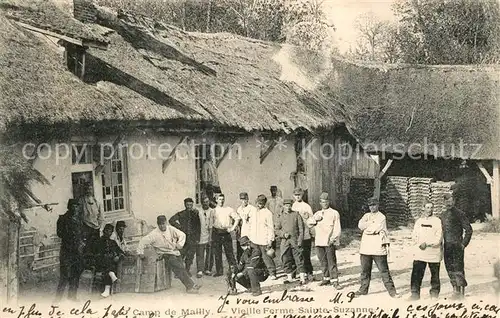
(259, 230)
(82, 246)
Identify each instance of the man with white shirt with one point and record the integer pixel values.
(327, 226)
(261, 233)
(374, 245)
(167, 242)
(428, 239)
(305, 212)
(204, 257)
(225, 222)
(118, 236)
(244, 211)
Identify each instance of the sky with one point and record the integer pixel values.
(343, 13)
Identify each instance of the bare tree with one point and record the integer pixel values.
(370, 35)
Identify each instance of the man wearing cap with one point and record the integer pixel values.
(428, 250)
(251, 269)
(204, 255)
(374, 249)
(188, 221)
(167, 241)
(118, 236)
(261, 233)
(290, 228)
(107, 254)
(69, 229)
(327, 225)
(244, 211)
(305, 212)
(225, 221)
(457, 233)
(275, 205)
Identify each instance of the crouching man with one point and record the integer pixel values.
(107, 255)
(167, 242)
(251, 269)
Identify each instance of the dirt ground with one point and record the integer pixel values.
(480, 256)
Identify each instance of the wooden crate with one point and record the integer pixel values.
(154, 275)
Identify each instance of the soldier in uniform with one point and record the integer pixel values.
(251, 269)
(305, 212)
(373, 249)
(457, 233)
(290, 228)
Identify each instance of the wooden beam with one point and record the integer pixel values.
(485, 172)
(226, 150)
(50, 33)
(13, 264)
(495, 190)
(100, 167)
(266, 153)
(377, 181)
(171, 155)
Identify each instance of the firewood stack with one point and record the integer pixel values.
(360, 191)
(420, 191)
(438, 189)
(394, 200)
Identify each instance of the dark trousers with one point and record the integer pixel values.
(366, 272)
(252, 279)
(417, 274)
(239, 251)
(328, 260)
(187, 253)
(222, 239)
(293, 259)
(70, 270)
(106, 265)
(271, 266)
(306, 255)
(454, 263)
(178, 267)
(204, 258)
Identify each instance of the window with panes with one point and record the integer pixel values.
(113, 181)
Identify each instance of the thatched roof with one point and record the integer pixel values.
(46, 15)
(36, 86)
(397, 106)
(156, 73)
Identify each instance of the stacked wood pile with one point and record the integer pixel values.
(38, 262)
(438, 189)
(419, 191)
(394, 200)
(359, 193)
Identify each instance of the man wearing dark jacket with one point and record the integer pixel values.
(69, 229)
(188, 221)
(290, 229)
(251, 269)
(454, 224)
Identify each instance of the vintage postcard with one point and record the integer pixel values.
(249, 158)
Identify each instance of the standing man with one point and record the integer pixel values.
(93, 218)
(118, 236)
(305, 212)
(225, 222)
(457, 233)
(244, 211)
(261, 229)
(290, 229)
(428, 250)
(374, 249)
(327, 224)
(210, 177)
(69, 229)
(167, 241)
(204, 255)
(275, 205)
(188, 221)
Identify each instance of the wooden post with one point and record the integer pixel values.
(495, 190)
(13, 264)
(494, 182)
(376, 192)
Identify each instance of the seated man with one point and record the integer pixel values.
(118, 236)
(167, 242)
(251, 269)
(106, 255)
